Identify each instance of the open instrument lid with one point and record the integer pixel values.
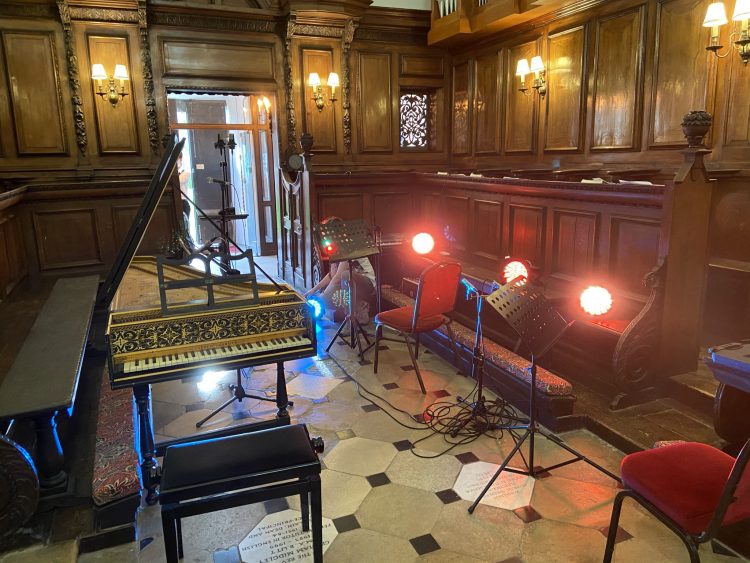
(138, 228)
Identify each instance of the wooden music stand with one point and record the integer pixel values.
(539, 326)
(349, 240)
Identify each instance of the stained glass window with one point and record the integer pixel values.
(414, 120)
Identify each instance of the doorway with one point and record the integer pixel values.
(246, 121)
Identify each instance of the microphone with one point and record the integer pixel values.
(470, 288)
(211, 180)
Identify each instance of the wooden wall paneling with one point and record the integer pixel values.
(234, 60)
(159, 237)
(375, 102)
(456, 209)
(461, 119)
(116, 127)
(320, 123)
(392, 210)
(633, 250)
(526, 232)
(420, 66)
(521, 108)
(737, 111)
(67, 238)
(574, 236)
(681, 69)
(35, 94)
(346, 205)
(487, 103)
(617, 80)
(5, 260)
(565, 71)
(487, 230)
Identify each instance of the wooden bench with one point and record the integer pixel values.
(44, 376)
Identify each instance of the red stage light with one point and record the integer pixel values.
(423, 243)
(328, 246)
(596, 300)
(515, 269)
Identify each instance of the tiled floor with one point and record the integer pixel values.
(388, 504)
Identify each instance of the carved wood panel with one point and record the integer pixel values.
(375, 101)
(116, 126)
(520, 113)
(320, 123)
(526, 232)
(460, 117)
(487, 229)
(564, 78)
(228, 60)
(617, 79)
(35, 95)
(67, 238)
(488, 73)
(681, 75)
(633, 251)
(737, 120)
(574, 242)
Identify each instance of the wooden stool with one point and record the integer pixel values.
(201, 477)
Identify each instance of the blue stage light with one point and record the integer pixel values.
(317, 307)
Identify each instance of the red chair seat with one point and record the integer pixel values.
(685, 482)
(402, 318)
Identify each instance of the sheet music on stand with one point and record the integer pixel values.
(350, 239)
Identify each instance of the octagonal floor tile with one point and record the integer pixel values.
(342, 493)
(510, 490)
(399, 511)
(368, 546)
(360, 456)
(433, 474)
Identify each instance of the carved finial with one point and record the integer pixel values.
(307, 142)
(695, 125)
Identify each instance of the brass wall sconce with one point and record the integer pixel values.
(111, 93)
(537, 67)
(716, 16)
(318, 94)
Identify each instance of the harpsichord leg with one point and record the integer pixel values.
(282, 400)
(147, 450)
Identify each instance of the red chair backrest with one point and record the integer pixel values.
(736, 489)
(436, 293)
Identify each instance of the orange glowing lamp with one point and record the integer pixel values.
(596, 300)
(423, 243)
(515, 269)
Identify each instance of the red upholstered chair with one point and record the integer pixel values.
(436, 296)
(692, 488)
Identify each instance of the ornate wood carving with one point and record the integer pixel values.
(73, 77)
(346, 42)
(635, 354)
(291, 119)
(212, 22)
(19, 485)
(26, 10)
(148, 79)
(104, 15)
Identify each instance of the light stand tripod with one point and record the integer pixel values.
(540, 326)
(238, 393)
(348, 241)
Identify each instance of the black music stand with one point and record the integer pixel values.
(539, 326)
(349, 240)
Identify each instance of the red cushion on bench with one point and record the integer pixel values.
(685, 481)
(116, 468)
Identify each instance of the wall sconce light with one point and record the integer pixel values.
(111, 94)
(264, 109)
(317, 88)
(716, 16)
(537, 67)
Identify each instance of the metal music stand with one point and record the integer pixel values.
(350, 240)
(539, 326)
